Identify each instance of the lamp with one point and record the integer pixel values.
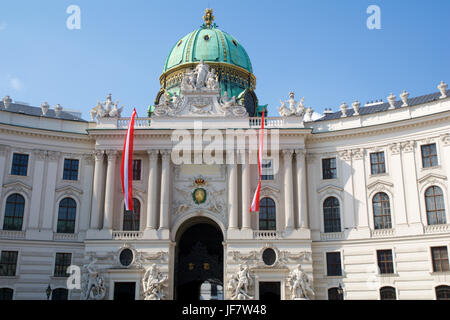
(48, 291)
(340, 290)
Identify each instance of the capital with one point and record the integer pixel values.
(165, 154)
(39, 154)
(98, 154)
(395, 148)
(408, 146)
(287, 153)
(88, 158)
(345, 155)
(358, 154)
(153, 154)
(446, 139)
(112, 154)
(53, 155)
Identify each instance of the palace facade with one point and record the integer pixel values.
(358, 198)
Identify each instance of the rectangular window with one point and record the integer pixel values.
(19, 164)
(137, 169)
(70, 169)
(8, 263)
(440, 259)
(329, 168)
(62, 261)
(267, 170)
(377, 163)
(334, 264)
(385, 262)
(429, 155)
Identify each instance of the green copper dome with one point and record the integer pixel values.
(211, 45)
(221, 52)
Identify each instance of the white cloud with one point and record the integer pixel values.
(15, 83)
(2, 25)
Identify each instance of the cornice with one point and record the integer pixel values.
(44, 133)
(376, 129)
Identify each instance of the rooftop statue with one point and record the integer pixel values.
(294, 109)
(106, 109)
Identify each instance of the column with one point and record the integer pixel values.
(246, 221)
(288, 190)
(97, 190)
(3, 152)
(232, 193)
(86, 176)
(165, 189)
(49, 202)
(348, 208)
(152, 209)
(110, 187)
(445, 158)
(359, 173)
(36, 195)
(399, 205)
(302, 214)
(410, 180)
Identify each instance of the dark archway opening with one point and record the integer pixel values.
(198, 259)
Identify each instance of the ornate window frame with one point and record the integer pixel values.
(426, 182)
(326, 195)
(60, 198)
(19, 188)
(375, 188)
(272, 193)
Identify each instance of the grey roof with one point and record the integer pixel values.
(384, 106)
(36, 111)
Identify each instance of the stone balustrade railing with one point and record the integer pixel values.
(10, 234)
(328, 236)
(437, 228)
(266, 234)
(65, 236)
(380, 233)
(127, 235)
(253, 122)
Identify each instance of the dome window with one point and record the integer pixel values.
(179, 43)
(234, 42)
(206, 37)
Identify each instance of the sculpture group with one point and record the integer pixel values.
(298, 282)
(154, 283)
(201, 78)
(239, 284)
(93, 283)
(106, 109)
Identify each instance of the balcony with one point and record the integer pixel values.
(382, 233)
(266, 234)
(10, 234)
(65, 237)
(330, 236)
(127, 235)
(437, 228)
(253, 122)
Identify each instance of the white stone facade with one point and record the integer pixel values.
(298, 190)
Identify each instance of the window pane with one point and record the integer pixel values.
(15, 205)
(334, 264)
(62, 261)
(20, 164)
(267, 214)
(137, 169)
(66, 216)
(434, 202)
(8, 263)
(6, 294)
(329, 168)
(331, 213)
(385, 262)
(388, 293)
(70, 169)
(131, 219)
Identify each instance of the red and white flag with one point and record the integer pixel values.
(127, 165)
(255, 203)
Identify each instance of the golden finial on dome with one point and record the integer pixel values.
(208, 17)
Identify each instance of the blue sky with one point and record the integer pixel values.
(320, 49)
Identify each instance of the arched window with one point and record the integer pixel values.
(60, 294)
(443, 293)
(381, 211)
(331, 214)
(6, 294)
(15, 205)
(267, 214)
(131, 218)
(388, 293)
(334, 294)
(434, 202)
(66, 216)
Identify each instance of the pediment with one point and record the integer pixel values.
(432, 176)
(330, 187)
(380, 183)
(267, 190)
(16, 185)
(69, 189)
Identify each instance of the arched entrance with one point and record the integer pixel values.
(199, 261)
